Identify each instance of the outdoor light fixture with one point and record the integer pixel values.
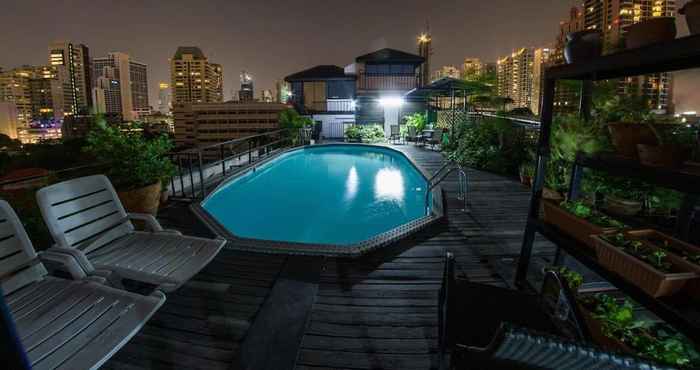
(391, 102)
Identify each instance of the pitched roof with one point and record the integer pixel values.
(195, 51)
(390, 56)
(322, 72)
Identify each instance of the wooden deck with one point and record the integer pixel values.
(376, 312)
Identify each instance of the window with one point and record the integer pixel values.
(341, 89)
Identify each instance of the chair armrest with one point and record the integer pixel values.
(64, 260)
(149, 220)
(169, 231)
(78, 255)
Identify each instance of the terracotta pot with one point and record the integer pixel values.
(626, 136)
(576, 227)
(652, 281)
(691, 10)
(650, 31)
(582, 46)
(622, 207)
(141, 200)
(552, 194)
(164, 196)
(662, 155)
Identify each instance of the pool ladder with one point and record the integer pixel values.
(448, 168)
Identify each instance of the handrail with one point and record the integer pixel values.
(438, 177)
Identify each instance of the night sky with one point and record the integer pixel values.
(271, 38)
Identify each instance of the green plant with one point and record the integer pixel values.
(137, 162)
(366, 133)
(573, 279)
(417, 120)
(656, 341)
(586, 212)
(656, 258)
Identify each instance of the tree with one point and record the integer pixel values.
(290, 119)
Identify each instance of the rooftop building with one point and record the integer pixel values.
(194, 79)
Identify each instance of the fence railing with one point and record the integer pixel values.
(199, 170)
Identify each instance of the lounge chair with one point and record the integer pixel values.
(87, 221)
(58, 323)
(412, 135)
(395, 132)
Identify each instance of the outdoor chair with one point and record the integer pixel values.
(470, 314)
(55, 323)
(395, 133)
(435, 139)
(517, 348)
(87, 221)
(412, 135)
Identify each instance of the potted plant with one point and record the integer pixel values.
(686, 251)
(691, 10)
(672, 149)
(579, 220)
(139, 167)
(353, 134)
(654, 270)
(626, 117)
(622, 197)
(651, 31)
(582, 46)
(527, 172)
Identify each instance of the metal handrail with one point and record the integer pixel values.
(447, 169)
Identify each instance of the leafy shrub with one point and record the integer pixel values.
(137, 162)
(372, 133)
(417, 120)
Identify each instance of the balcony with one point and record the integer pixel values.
(330, 106)
(392, 82)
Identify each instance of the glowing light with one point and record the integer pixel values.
(351, 184)
(690, 113)
(391, 101)
(389, 185)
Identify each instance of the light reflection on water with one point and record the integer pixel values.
(351, 184)
(389, 185)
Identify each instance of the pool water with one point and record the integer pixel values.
(333, 194)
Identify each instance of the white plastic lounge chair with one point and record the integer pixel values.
(87, 220)
(63, 324)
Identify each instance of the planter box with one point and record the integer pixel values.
(646, 277)
(676, 247)
(596, 330)
(578, 228)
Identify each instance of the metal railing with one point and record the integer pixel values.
(200, 169)
(448, 168)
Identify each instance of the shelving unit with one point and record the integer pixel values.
(683, 53)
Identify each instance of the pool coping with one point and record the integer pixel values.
(330, 250)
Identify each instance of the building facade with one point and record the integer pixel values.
(165, 98)
(8, 119)
(36, 92)
(72, 62)
(447, 71)
(472, 69)
(247, 91)
(326, 94)
(425, 51)
(541, 59)
(124, 83)
(515, 77)
(612, 17)
(194, 79)
(210, 123)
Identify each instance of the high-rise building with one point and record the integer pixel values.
(125, 85)
(575, 23)
(283, 91)
(515, 76)
(472, 69)
(447, 71)
(73, 68)
(8, 119)
(202, 124)
(165, 98)
(194, 79)
(425, 50)
(612, 17)
(266, 96)
(245, 94)
(541, 58)
(36, 92)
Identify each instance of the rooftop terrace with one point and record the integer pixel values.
(259, 311)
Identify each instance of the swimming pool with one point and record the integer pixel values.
(323, 199)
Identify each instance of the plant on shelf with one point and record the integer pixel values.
(674, 145)
(616, 321)
(664, 242)
(586, 212)
(571, 278)
(139, 167)
(655, 257)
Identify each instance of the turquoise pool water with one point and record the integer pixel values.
(335, 194)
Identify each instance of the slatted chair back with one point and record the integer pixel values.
(394, 129)
(84, 213)
(412, 131)
(19, 265)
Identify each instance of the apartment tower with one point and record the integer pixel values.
(124, 83)
(73, 69)
(515, 77)
(472, 69)
(194, 79)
